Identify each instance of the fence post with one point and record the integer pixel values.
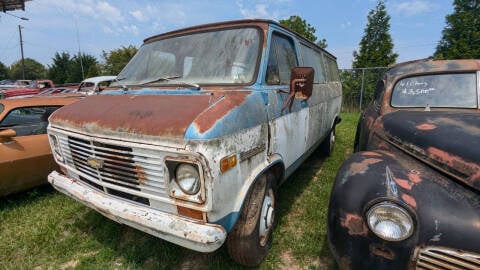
(361, 90)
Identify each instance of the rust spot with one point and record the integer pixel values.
(426, 126)
(141, 175)
(469, 168)
(210, 116)
(354, 224)
(382, 252)
(410, 200)
(361, 167)
(414, 177)
(370, 153)
(406, 184)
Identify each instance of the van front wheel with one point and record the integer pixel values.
(250, 239)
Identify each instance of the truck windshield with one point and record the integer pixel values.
(214, 57)
(440, 90)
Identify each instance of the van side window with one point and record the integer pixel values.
(281, 60)
(332, 69)
(313, 58)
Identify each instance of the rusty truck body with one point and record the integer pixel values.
(410, 197)
(203, 126)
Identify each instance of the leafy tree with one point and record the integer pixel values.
(299, 25)
(3, 71)
(33, 70)
(115, 60)
(81, 67)
(461, 36)
(376, 50)
(59, 71)
(376, 45)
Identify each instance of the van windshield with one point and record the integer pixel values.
(215, 57)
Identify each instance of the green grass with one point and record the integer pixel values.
(42, 229)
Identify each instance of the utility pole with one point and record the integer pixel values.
(21, 49)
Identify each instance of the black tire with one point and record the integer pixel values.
(251, 238)
(327, 145)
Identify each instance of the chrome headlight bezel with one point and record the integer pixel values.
(55, 146)
(387, 218)
(177, 182)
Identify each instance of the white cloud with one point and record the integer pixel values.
(412, 7)
(108, 12)
(261, 10)
(137, 14)
(133, 29)
(346, 25)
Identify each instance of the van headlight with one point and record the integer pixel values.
(188, 178)
(56, 148)
(390, 221)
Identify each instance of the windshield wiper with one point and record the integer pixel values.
(165, 78)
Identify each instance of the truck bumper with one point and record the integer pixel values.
(188, 233)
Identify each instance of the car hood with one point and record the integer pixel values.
(448, 141)
(131, 117)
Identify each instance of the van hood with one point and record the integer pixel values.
(184, 116)
(449, 141)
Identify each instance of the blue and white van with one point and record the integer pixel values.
(198, 132)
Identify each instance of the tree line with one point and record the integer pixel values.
(67, 68)
(460, 39)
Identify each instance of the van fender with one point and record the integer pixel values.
(272, 161)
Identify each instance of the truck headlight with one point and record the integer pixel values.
(187, 178)
(390, 221)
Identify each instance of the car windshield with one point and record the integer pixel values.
(215, 57)
(440, 90)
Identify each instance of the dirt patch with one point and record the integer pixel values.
(196, 261)
(69, 264)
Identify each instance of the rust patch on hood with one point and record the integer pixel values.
(361, 167)
(409, 200)
(209, 117)
(470, 169)
(156, 115)
(426, 126)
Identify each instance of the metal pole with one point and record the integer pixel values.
(21, 49)
(361, 90)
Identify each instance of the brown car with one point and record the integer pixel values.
(25, 155)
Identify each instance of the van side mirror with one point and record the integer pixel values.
(301, 85)
(301, 82)
(6, 135)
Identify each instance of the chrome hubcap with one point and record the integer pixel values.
(267, 217)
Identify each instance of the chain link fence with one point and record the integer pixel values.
(358, 86)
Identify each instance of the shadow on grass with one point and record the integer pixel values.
(143, 251)
(26, 197)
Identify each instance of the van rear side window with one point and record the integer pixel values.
(313, 58)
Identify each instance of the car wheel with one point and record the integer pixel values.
(328, 143)
(250, 239)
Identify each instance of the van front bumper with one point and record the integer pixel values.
(191, 234)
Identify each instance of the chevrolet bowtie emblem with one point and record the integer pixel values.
(95, 163)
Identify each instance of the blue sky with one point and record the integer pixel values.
(103, 25)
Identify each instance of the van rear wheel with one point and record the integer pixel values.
(327, 145)
(250, 239)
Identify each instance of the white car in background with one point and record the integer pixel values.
(95, 85)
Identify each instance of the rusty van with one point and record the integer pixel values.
(409, 198)
(203, 126)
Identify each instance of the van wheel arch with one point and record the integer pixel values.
(251, 237)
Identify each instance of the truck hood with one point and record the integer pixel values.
(448, 141)
(132, 117)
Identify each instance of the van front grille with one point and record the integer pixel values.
(133, 173)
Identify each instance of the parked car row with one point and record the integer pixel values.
(193, 138)
(30, 88)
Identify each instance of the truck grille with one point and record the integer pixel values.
(443, 258)
(132, 173)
